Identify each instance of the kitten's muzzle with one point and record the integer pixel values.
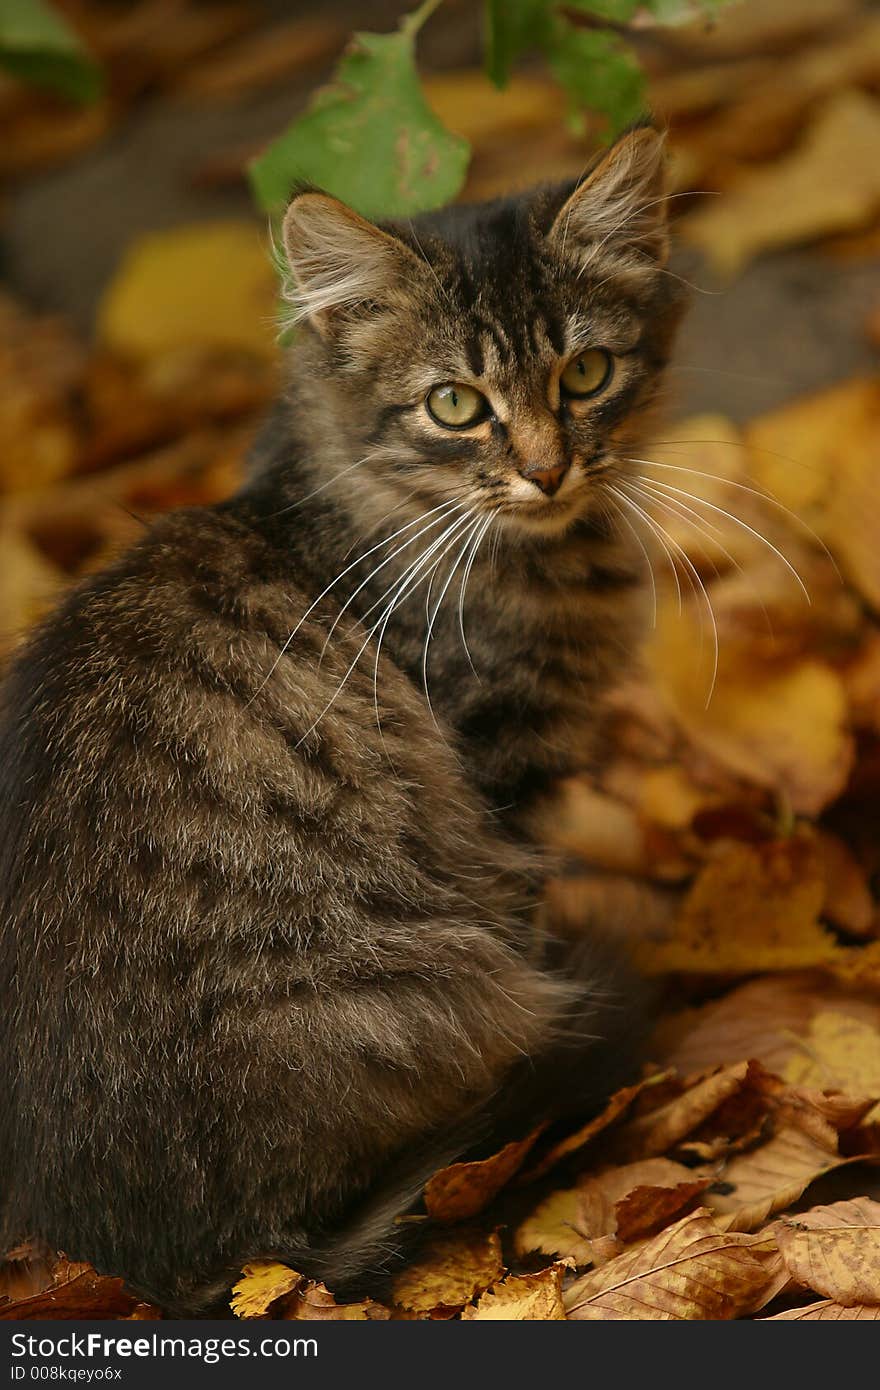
(549, 480)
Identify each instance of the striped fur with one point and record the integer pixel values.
(267, 954)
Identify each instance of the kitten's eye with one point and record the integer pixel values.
(587, 374)
(456, 405)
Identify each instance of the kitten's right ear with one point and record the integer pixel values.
(338, 260)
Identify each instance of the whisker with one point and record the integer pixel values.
(644, 549)
(462, 592)
(737, 521)
(469, 535)
(628, 502)
(699, 524)
(387, 561)
(697, 584)
(324, 592)
(764, 495)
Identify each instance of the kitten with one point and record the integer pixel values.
(267, 878)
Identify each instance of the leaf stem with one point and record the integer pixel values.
(412, 23)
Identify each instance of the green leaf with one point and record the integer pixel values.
(37, 45)
(512, 27)
(370, 138)
(599, 74)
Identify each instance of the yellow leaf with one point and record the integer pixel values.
(839, 1052)
(829, 183)
(753, 907)
(555, 1228)
(522, 1298)
(780, 726)
(261, 1284)
(450, 1272)
(210, 284)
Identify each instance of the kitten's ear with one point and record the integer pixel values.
(621, 204)
(338, 260)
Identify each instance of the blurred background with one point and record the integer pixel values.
(138, 351)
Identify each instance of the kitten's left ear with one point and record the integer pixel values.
(621, 204)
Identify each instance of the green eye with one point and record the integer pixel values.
(587, 374)
(456, 405)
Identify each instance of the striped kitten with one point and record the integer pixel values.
(266, 872)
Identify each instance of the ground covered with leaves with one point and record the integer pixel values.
(736, 829)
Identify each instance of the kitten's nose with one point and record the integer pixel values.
(548, 480)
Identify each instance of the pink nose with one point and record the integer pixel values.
(549, 480)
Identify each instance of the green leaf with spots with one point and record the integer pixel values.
(38, 46)
(370, 138)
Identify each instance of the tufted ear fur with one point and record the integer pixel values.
(338, 260)
(621, 204)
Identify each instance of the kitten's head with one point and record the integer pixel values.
(501, 355)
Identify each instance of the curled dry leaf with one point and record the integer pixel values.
(462, 1190)
(835, 1250)
(691, 1270)
(606, 1208)
(452, 1271)
(618, 1106)
(522, 1298)
(765, 1180)
(312, 1302)
(660, 1130)
(76, 1291)
(262, 1284)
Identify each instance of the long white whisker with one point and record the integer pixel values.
(762, 494)
(324, 592)
(644, 549)
(737, 521)
(462, 593)
(633, 506)
(697, 584)
(438, 520)
(429, 632)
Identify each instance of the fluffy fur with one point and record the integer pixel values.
(267, 884)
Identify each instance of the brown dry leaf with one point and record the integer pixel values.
(605, 1194)
(752, 907)
(646, 1210)
(261, 1284)
(312, 1302)
(452, 1271)
(770, 1019)
(462, 1190)
(210, 284)
(660, 1130)
(554, 1228)
(691, 1270)
(618, 1106)
(76, 1291)
(827, 1312)
(835, 1250)
(270, 55)
(754, 1185)
(522, 1298)
(830, 183)
(470, 106)
(598, 828)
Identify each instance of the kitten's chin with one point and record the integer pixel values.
(550, 519)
